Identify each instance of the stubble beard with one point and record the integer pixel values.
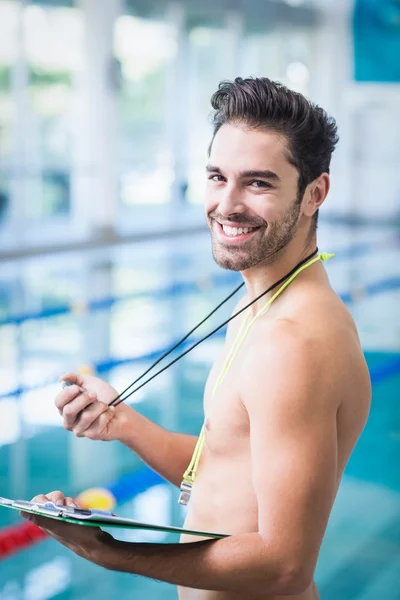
(261, 247)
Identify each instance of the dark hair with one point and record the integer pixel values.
(261, 103)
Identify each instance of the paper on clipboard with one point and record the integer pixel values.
(96, 518)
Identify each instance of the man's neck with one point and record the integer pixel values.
(264, 275)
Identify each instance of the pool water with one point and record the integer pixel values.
(360, 555)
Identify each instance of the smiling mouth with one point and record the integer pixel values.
(236, 233)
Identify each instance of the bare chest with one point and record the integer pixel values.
(226, 419)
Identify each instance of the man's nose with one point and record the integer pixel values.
(230, 201)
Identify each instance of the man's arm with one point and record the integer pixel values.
(166, 452)
(88, 414)
(291, 401)
(242, 563)
(292, 395)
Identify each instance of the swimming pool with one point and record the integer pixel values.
(141, 299)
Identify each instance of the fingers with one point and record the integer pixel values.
(70, 391)
(61, 500)
(74, 377)
(98, 429)
(65, 396)
(42, 499)
(71, 411)
(57, 497)
(71, 502)
(93, 418)
(39, 499)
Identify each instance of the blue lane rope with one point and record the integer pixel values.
(105, 366)
(132, 484)
(176, 289)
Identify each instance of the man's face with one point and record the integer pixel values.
(250, 184)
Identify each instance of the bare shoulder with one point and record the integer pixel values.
(315, 317)
(318, 313)
(311, 338)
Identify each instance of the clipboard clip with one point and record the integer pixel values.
(54, 510)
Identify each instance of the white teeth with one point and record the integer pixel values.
(233, 231)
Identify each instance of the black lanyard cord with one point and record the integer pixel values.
(178, 343)
(119, 398)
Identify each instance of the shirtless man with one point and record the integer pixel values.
(282, 425)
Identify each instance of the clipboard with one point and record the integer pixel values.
(96, 518)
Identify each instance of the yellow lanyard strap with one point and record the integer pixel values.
(190, 473)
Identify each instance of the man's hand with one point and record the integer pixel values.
(87, 414)
(243, 564)
(86, 542)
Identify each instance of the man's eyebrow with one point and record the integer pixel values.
(266, 174)
(212, 169)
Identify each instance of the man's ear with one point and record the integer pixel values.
(315, 194)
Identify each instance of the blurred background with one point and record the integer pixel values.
(105, 258)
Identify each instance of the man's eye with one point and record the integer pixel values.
(260, 184)
(216, 178)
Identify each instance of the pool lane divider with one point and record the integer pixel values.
(23, 535)
(388, 368)
(180, 288)
(15, 538)
(371, 289)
